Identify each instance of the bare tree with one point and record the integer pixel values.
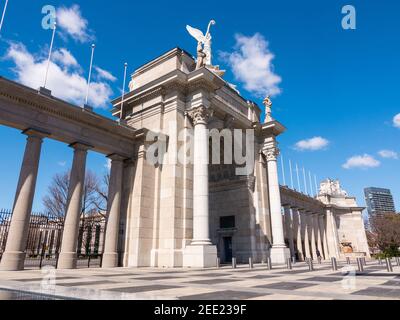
(385, 233)
(102, 192)
(94, 199)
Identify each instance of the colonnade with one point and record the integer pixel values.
(14, 255)
(305, 232)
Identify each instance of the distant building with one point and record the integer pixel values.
(379, 201)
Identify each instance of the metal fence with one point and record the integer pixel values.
(45, 235)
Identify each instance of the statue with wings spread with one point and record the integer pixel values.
(203, 39)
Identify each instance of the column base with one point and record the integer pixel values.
(279, 255)
(110, 260)
(12, 261)
(200, 256)
(67, 260)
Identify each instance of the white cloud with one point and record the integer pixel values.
(103, 74)
(389, 154)
(107, 165)
(363, 162)
(64, 57)
(70, 20)
(396, 120)
(66, 84)
(251, 64)
(62, 163)
(312, 144)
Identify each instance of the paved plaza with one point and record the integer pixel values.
(210, 284)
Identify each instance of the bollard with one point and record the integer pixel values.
(348, 260)
(360, 264)
(233, 263)
(289, 263)
(269, 263)
(334, 264)
(389, 267)
(218, 263)
(251, 263)
(294, 260)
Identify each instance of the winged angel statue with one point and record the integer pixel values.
(204, 40)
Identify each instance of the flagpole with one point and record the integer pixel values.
(3, 16)
(311, 186)
(90, 75)
(283, 170)
(123, 91)
(50, 51)
(305, 181)
(298, 178)
(316, 185)
(291, 174)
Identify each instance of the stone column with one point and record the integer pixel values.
(297, 233)
(289, 228)
(14, 254)
(200, 253)
(313, 237)
(302, 226)
(307, 234)
(279, 251)
(332, 234)
(322, 228)
(68, 255)
(319, 237)
(110, 254)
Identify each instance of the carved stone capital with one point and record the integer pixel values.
(200, 114)
(271, 153)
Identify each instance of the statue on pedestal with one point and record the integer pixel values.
(204, 52)
(332, 188)
(205, 40)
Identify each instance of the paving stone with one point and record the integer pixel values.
(292, 272)
(261, 276)
(82, 283)
(392, 283)
(133, 289)
(156, 278)
(286, 285)
(116, 275)
(211, 275)
(223, 295)
(40, 279)
(379, 292)
(213, 281)
(323, 279)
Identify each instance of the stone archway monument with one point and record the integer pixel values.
(177, 196)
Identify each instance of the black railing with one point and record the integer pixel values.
(45, 236)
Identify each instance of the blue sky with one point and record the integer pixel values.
(339, 85)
